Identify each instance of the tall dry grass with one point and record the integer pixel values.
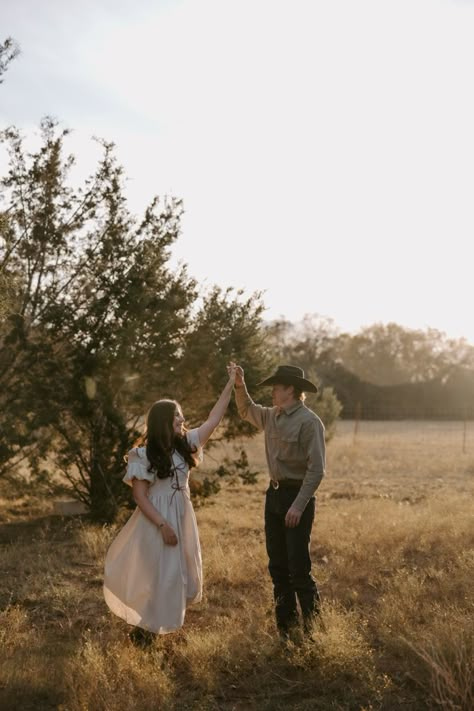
(393, 555)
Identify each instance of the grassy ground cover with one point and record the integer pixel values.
(393, 554)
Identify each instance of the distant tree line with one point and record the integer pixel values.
(383, 371)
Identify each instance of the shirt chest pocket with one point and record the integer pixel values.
(288, 447)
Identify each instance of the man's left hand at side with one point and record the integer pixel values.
(292, 517)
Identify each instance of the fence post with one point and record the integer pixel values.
(464, 434)
(356, 422)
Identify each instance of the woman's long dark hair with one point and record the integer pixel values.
(161, 439)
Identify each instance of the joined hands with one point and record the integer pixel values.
(236, 374)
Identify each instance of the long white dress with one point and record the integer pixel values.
(146, 582)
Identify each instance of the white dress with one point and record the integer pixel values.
(146, 582)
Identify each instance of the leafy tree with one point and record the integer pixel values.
(101, 324)
(226, 328)
(9, 49)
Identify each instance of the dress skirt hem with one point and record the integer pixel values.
(132, 617)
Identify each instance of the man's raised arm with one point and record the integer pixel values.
(255, 414)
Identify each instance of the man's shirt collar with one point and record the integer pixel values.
(291, 409)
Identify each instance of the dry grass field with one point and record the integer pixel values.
(393, 554)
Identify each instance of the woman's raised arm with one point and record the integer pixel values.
(218, 411)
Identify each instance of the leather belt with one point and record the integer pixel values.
(286, 483)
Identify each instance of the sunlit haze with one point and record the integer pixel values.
(324, 150)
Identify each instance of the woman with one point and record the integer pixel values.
(153, 569)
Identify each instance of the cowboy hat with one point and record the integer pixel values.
(290, 375)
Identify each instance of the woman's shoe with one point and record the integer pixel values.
(141, 638)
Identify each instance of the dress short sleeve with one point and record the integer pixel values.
(193, 439)
(137, 464)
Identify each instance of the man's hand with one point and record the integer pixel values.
(169, 536)
(292, 517)
(239, 374)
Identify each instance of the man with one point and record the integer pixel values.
(295, 452)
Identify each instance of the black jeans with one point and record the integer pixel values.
(289, 561)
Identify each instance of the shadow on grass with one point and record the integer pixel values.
(48, 595)
(27, 697)
(56, 528)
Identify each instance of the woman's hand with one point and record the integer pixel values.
(237, 374)
(232, 371)
(169, 536)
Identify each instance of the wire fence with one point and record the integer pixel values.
(457, 434)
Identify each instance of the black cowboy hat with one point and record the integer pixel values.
(290, 375)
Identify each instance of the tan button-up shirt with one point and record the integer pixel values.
(294, 442)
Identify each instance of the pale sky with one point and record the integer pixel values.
(324, 149)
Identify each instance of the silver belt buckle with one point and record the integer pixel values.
(275, 484)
